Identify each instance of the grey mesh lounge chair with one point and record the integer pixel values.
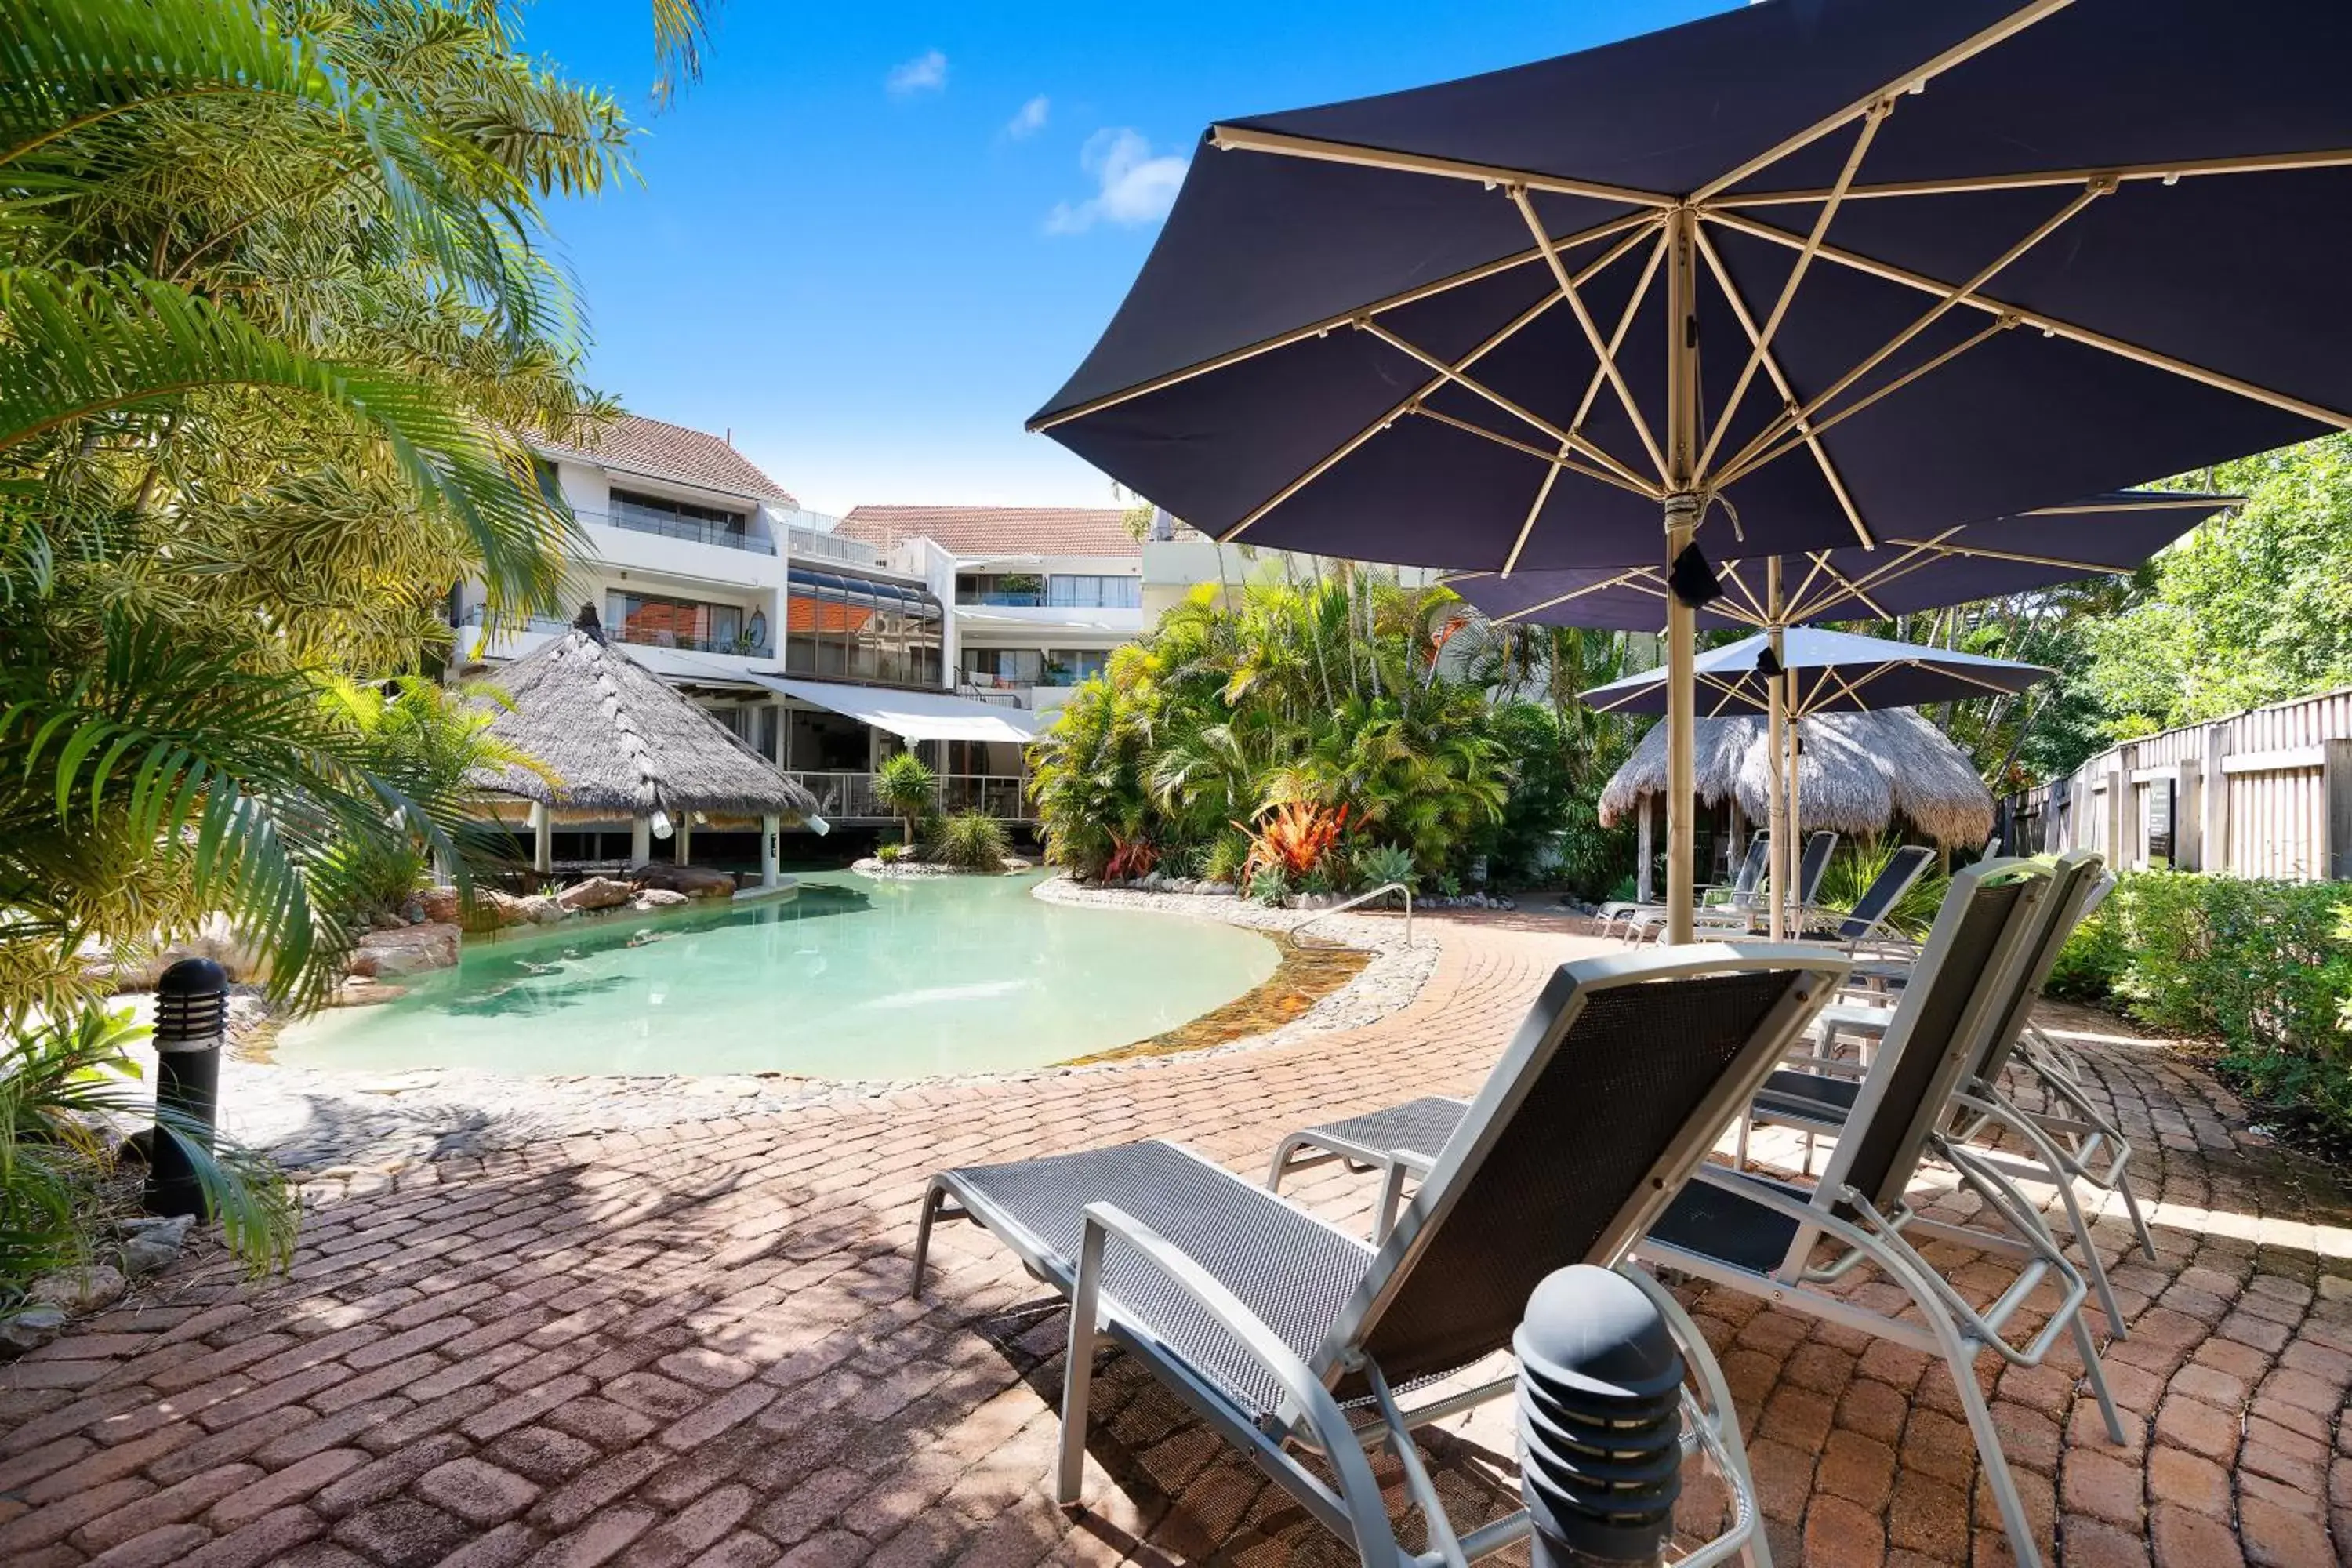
(1759, 1235)
(1740, 893)
(1285, 1333)
(1737, 921)
(1818, 1099)
(1865, 925)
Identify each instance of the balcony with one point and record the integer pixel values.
(810, 544)
(542, 626)
(1007, 599)
(849, 797)
(692, 529)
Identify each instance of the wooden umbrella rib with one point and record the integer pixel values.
(2054, 326)
(1236, 138)
(1627, 579)
(1603, 351)
(1780, 381)
(2255, 164)
(1413, 296)
(1968, 48)
(1761, 339)
(1623, 482)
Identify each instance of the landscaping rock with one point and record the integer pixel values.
(493, 910)
(656, 899)
(407, 949)
(440, 904)
(31, 1328)
(360, 990)
(595, 893)
(694, 881)
(153, 1243)
(413, 911)
(79, 1292)
(541, 910)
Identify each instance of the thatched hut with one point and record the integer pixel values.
(1856, 774)
(622, 743)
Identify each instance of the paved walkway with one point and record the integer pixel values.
(695, 1346)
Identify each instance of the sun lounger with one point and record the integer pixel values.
(1741, 892)
(1736, 920)
(1759, 1235)
(1865, 925)
(1285, 1333)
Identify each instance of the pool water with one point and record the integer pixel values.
(849, 978)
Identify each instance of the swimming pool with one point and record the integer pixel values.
(850, 978)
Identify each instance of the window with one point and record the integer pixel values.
(1095, 592)
(1004, 666)
(676, 519)
(861, 629)
(659, 622)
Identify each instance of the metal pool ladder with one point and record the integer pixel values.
(1382, 892)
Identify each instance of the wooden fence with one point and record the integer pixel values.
(2267, 792)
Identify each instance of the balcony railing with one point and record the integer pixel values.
(849, 797)
(687, 528)
(741, 647)
(809, 543)
(1048, 599)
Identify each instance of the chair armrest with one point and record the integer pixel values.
(1360, 1493)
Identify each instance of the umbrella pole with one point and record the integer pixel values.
(1795, 721)
(1778, 815)
(1683, 509)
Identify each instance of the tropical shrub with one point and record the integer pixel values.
(971, 841)
(1131, 857)
(1857, 864)
(890, 854)
(2263, 967)
(1227, 858)
(68, 1093)
(1380, 864)
(1268, 885)
(906, 788)
(1295, 838)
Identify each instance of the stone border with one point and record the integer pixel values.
(328, 1123)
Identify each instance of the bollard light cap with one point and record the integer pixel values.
(192, 977)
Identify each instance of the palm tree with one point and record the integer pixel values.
(907, 788)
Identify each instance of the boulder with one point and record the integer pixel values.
(79, 1290)
(656, 899)
(493, 909)
(541, 910)
(595, 893)
(151, 1244)
(440, 904)
(405, 950)
(361, 991)
(694, 881)
(31, 1328)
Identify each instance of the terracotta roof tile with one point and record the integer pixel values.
(970, 530)
(635, 444)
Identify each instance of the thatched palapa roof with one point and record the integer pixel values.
(620, 740)
(1856, 774)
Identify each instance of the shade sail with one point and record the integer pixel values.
(1952, 566)
(911, 715)
(1833, 672)
(1351, 336)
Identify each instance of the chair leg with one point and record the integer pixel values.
(2092, 1263)
(1078, 1372)
(2098, 1376)
(931, 1196)
(1281, 1167)
(1392, 1197)
(2139, 1220)
(2024, 1543)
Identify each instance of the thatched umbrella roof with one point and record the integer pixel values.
(1856, 774)
(620, 740)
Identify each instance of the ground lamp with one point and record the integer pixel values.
(1792, 277)
(191, 1025)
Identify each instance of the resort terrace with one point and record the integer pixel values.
(695, 1344)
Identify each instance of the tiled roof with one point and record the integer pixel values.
(637, 445)
(971, 531)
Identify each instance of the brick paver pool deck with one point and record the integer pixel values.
(696, 1346)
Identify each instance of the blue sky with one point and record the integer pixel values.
(875, 237)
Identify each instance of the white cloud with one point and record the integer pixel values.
(927, 73)
(1031, 119)
(1133, 187)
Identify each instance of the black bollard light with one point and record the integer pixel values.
(190, 1024)
(1600, 1420)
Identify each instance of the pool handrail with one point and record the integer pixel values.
(1364, 898)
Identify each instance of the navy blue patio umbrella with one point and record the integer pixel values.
(1825, 672)
(1808, 274)
(1975, 561)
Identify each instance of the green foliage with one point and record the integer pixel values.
(1551, 828)
(971, 841)
(890, 854)
(1269, 884)
(907, 787)
(1344, 689)
(2263, 967)
(1226, 855)
(1378, 864)
(1859, 862)
(68, 1092)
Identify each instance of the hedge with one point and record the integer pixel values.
(2265, 968)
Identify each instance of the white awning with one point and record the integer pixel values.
(912, 715)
